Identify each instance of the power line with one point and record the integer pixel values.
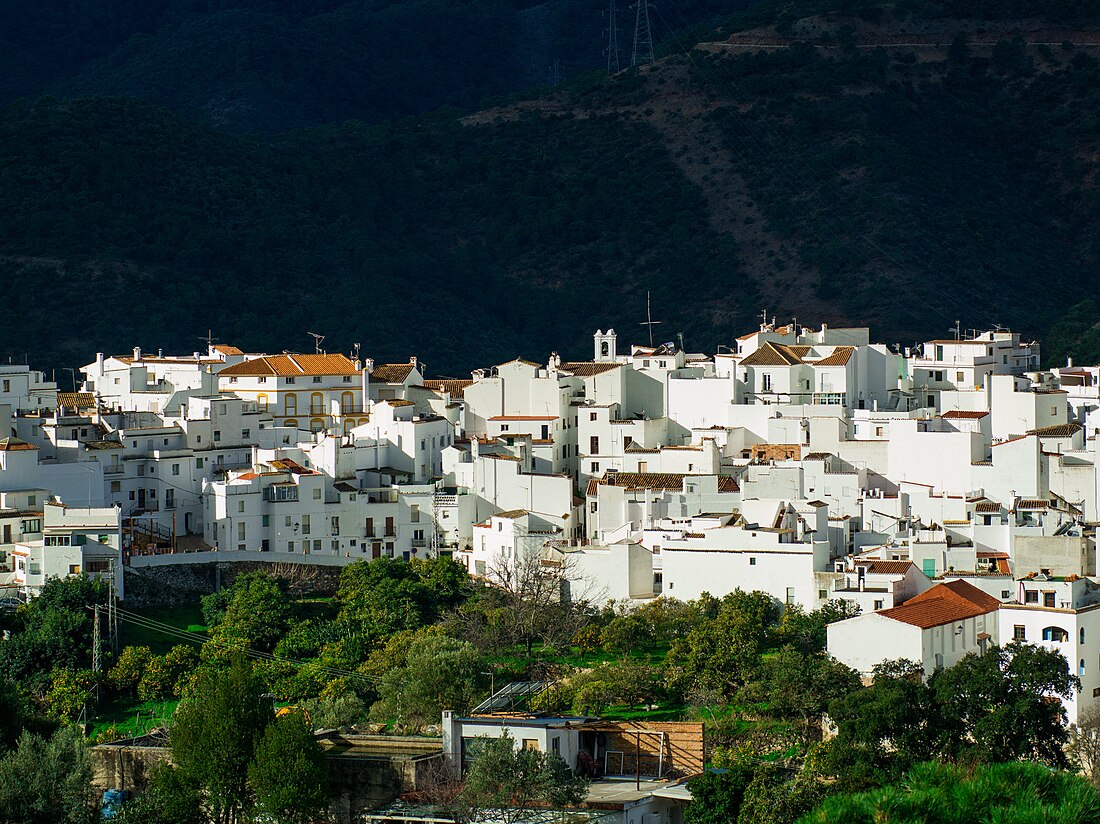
(643, 35)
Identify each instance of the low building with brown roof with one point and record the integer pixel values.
(935, 629)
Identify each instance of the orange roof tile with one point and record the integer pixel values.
(292, 365)
(392, 372)
(943, 604)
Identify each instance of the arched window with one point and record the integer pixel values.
(317, 404)
(292, 422)
(290, 405)
(349, 424)
(261, 401)
(1055, 634)
(604, 349)
(1081, 667)
(347, 403)
(362, 422)
(316, 424)
(1082, 635)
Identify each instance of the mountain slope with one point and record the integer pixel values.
(847, 180)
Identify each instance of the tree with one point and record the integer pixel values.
(169, 798)
(716, 797)
(988, 794)
(439, 673)
(806, 631)
(793, 685)
(70, 692)
(167, 675)
(127, 672)
(504, 783)
(1084, 744)
(998, 706)
(257, 615)
(215, 733)
(289, 772)
(721, 653)
(772, 799)
(884, 728)
(48, 781)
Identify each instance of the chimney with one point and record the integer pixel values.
(196, 356)
(1069, 362)
(137, 354)
(368, 364)
(160, 353)
(414, 362)
(99, 362)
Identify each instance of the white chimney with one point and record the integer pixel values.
(137, 353)
(1069, 363)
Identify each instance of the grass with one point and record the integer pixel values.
(672, 712)
(187, 617)
(131, 716)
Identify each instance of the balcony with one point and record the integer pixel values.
(114, 469)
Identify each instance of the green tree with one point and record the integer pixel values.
(127, 672)
(169, 798)
(885, 728)
(256, 616)
(722, 652)
(439, 673)
(504, 783)
(790, 684)
(936, 793)
(48, 781)
(289, 772)
(70, 692)
(998, 706)
(717, 796)
(167, 675)
(771, 798)
(214, 736)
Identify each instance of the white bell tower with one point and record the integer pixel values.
(604, 345)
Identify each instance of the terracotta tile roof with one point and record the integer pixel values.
(634, 449)
(292, 366)
(520, 360)
(510, 514)
(398, 402)
(103, 445)
(15, 445)
(964, 414)
(391, 372)
(496, 456)
(672, 481)
(76, 400)
(773, 354)
(987, 506)
(586, 369)
(1032, 503)
(454, 388)
(838, 357)
(817, 456)
(886, 567)
(943, 604)
(226, 350)
(1065, 430)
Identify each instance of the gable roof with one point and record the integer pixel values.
(392, 372)
(76, 400)
(454, 388)
(292, 365)
(587, 369)
(1064, 430)
(773, 354)
(838, 357)
(943, 604)
(878, 567)
(964, 414)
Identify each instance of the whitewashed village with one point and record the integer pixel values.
(949, 490)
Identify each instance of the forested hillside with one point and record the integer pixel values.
(898, 166)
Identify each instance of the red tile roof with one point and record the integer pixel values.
(966, 414)
(292, 366)
(943, 604)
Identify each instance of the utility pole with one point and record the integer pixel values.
(97, 664)
(643, 35)
(649, 321)
(317, 338)
(612, 38)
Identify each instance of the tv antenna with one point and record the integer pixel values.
(649, 321)
(643, 35)
(317, 338)
(209, 338)
(612, 49)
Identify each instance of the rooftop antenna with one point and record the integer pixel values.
(958, 330)
(612, 49)
(316, 342)
(649, 321)
(763, 318)
(355, 351)
(680, 335)
(209, 338)
(643, 34)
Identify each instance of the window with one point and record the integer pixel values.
(240, 506)
(592, 506)
(959, 377)
(1056, 634)
(245, 433)
(1081, 667)
(317, 494)
(592, 416)
(175, 469)
(317, 545)
(198, 463)
(169, 498)
(335, 545)
(316, 378)
(766, 382)
(347, 378)
(305, 524)
(1082, 635)
(335, 524)
(1005, 594)
(822, 594)
(414, 513)
(1048, 599)
(879, 605)
(217, 435)
(265, 520)
(595, 466)
(1031, 596)
(1019, 633)
(290, 546)
(939, 352)
(752, 562)
(116, 486)
(240, 530)
(290, 404)
(790, 596)
(530, 744)
(261, 401)
(594, 445)
(7, 386)
(233, 379)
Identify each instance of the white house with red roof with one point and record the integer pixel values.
(936, 629)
